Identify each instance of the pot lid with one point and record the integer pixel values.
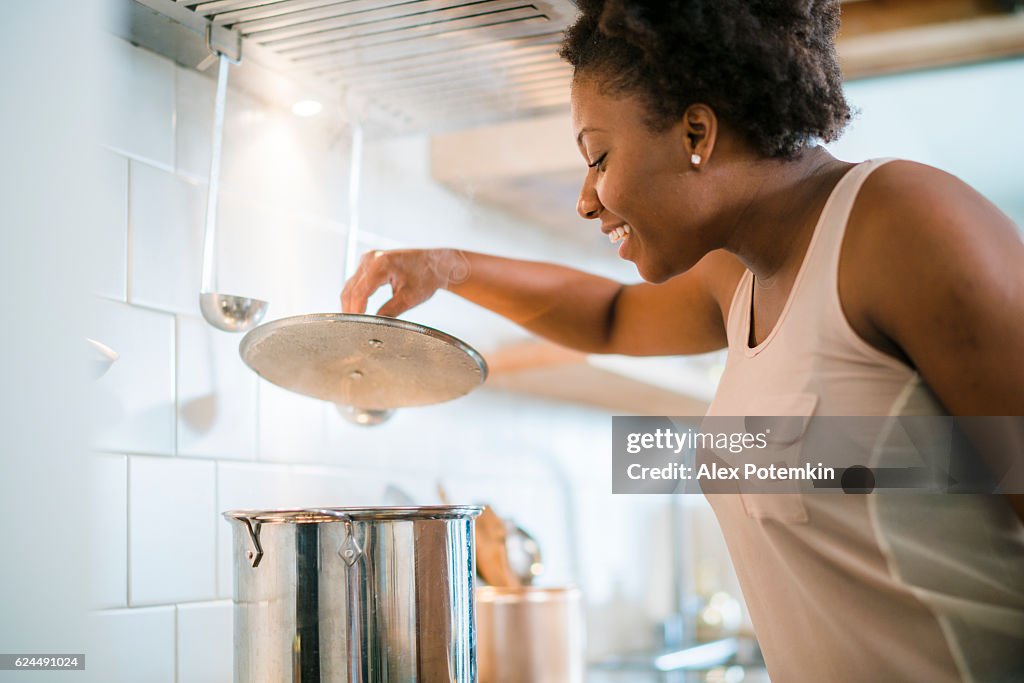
(366, 361)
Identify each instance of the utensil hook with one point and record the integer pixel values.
(215, 52)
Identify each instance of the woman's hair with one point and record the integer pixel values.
(766, 67)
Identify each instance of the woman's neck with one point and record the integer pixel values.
(772, 225)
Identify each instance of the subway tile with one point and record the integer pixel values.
(135, 411)
(166, 239)
(205, 642)
(316, 285)
(216, 393)
(194, 99)
(172, 508)
(291, 426)
(333, 487)
(139, 111)
(291, 262)
(298, 166)
(109, 260)
(411, 440)
(109, 531)
(255, 253)
(132, 645)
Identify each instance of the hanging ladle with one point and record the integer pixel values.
(224, 311)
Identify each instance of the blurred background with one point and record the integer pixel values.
(111, 489)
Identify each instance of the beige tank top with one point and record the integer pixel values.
(861, 588)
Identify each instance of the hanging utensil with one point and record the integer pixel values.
(224, 311)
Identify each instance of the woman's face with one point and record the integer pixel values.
(640, 181)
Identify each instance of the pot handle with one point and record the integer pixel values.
(350, 550)
(254, 554)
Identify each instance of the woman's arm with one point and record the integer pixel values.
(567, 306)
(941, 272)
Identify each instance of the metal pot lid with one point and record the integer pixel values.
(367, 361)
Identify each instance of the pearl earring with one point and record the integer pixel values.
(695, 160)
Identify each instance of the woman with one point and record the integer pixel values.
(884, 288)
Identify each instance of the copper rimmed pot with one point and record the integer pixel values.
(529, 634)
(354, 595)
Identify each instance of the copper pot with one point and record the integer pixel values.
(529, 634)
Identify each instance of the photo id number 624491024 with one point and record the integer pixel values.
(22, 662)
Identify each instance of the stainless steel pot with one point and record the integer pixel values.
(354, 595)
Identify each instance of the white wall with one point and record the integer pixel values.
(185, 431)
(46, 218)
(965, 120)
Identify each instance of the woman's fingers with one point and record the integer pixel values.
(368, 278)
(401, 302)
(414, 276)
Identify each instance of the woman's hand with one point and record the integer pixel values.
(414, 276)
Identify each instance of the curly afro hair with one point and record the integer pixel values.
(767, 67)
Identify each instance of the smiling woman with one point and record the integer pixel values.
(885, 288)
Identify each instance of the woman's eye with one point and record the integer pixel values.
(599, 162)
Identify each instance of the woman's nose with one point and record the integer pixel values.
(588, 206)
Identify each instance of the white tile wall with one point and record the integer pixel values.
(194, 94)
(291, 427)
(292, 262)
(109, 531)
(205, 644)
(294, 165)
(135, 411)
(254, 256)
(216, 393)
(139, 114)
(134, 645)
(108, 256)
(172, 530)
(166, 239)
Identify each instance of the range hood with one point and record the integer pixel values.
(412, 65)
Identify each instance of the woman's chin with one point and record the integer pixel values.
(655, 274)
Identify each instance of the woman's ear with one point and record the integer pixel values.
(700, 128)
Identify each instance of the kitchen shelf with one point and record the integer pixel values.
(624, 386)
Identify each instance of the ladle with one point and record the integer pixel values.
(224, 311)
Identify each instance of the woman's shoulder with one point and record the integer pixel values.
(924, 202)
(932, 267)
(926, 219)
